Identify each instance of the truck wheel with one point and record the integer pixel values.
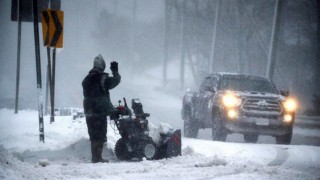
(121, 150)
(191, 128)
(219, 133)
(251, 138)
(285, 139)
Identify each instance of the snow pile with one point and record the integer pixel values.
(155, 131)
(12, 168)
(21, 131)
(44, 162)
(212, 161)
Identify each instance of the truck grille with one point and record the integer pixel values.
(261, 105)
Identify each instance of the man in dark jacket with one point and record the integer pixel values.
(97, 104)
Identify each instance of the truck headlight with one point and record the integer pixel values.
(287, 118)
(230, 100)
(289, 105)
(232, 113)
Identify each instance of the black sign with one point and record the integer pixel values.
(26, 8)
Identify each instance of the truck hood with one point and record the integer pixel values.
(259, 95)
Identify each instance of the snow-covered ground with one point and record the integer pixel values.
(66, 153)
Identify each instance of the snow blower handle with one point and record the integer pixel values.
(125, 102)
(126, 107)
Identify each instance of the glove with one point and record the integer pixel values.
(114, 66)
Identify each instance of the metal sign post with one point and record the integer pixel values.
(53, 84)
(30, 11)
(49, 81)
(38, 68)
(52, 30)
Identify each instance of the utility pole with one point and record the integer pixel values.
(132, 31)
(182, 50)
(18, 58)
(166, 43)
(214, 33)
(274, 40)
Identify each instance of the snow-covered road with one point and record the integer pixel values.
(66, 155)
(306, 131)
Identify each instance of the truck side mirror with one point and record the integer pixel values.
(210, 88)
(284, 93)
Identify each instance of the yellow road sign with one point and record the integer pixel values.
(52, 28)
(45, 27)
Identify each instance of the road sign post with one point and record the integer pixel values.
(30, 11)
(53, 80)
(52, 30)
(38, 68)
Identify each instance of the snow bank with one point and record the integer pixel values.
(21, 131)
(12, 168)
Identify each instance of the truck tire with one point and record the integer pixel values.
(219, 133)
(191, 128)
(285, 139)
(121, 150)
(251, 138)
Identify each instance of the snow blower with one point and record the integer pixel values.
(135, 141)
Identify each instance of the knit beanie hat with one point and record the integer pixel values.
(99, 63)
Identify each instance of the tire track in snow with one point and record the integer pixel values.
(281, 157)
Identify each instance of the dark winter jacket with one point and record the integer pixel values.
(96, 86)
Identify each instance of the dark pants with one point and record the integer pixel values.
(97, 128)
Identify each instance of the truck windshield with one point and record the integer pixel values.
(248, 84)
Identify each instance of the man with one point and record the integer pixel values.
(97, 104)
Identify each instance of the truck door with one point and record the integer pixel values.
(207, 91)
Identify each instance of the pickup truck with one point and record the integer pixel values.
(239, 103)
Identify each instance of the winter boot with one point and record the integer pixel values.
(99, 153)
(94, 151)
